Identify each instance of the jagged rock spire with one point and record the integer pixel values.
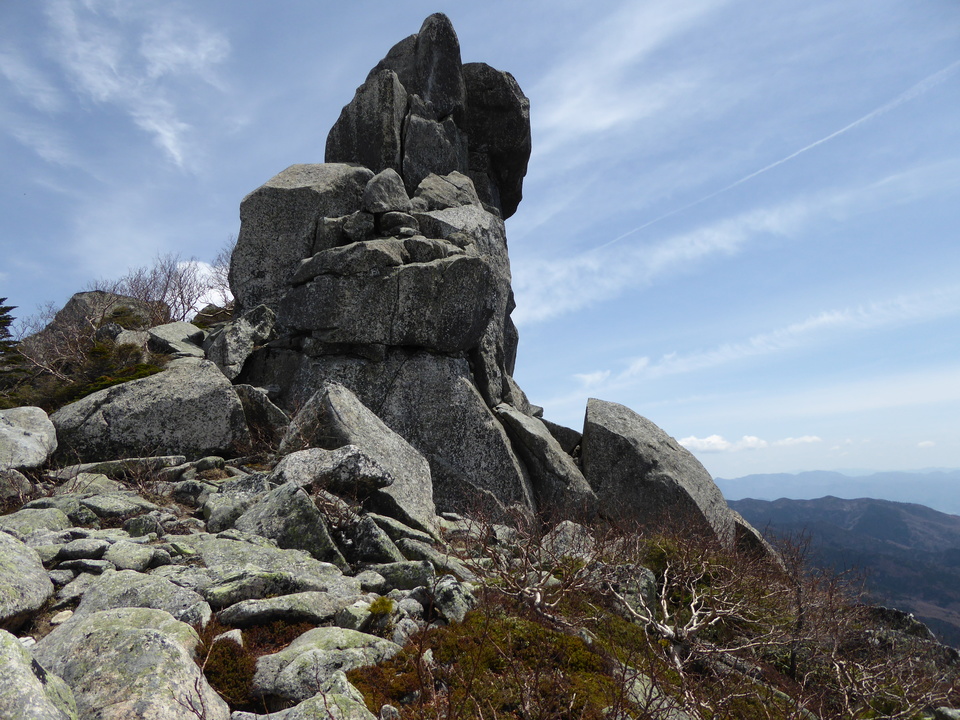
(421, 111)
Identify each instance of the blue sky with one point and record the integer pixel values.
(740, 218)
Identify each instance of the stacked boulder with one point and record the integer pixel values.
(372, 311)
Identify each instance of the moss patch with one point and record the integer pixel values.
(494, 664)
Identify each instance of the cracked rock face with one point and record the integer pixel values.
(388, 264)
(422, 111)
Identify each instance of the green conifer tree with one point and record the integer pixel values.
(7, 346)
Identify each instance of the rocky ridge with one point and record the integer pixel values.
(371, 352)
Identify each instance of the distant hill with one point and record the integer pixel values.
(911, 553)
(938, 489)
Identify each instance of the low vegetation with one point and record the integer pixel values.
(584, 631)
(54, 358)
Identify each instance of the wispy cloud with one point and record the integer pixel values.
(893, 312)
(926, 444)
(584, 94)
(913, 92)
(41, 137)
(30, 82)
(95, 46)
(548, 288)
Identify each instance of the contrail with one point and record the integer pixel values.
(919, 89)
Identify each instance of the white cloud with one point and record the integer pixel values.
(717, 443)
(804, 440)
(926, 444)
(712, 443)
(95, 47)
(595, 378)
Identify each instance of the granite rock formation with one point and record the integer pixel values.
(322, 448)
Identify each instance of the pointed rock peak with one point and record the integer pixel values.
(422, 111)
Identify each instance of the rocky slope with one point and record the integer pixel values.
(300, 491)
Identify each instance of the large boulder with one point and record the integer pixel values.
(27, 438)
(278, 227)
(298, 671)
(641, 474)
(128, 588)
(369, 130)
(94, 308)
(433, 403)
(27, 690)
(24, 584)
(497, 123)
(335, 417)
(190, 408)
(131, 663)
(442, 304)
(181, 339)
(229, 559)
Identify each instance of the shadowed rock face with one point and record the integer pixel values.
(420, 111)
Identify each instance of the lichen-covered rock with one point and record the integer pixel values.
(29, 520)
(190, 408)
(24, 583)
(27, 690)
(127, 588)
(298, 671)
(438, 192)
(313, 607)
(255, 584)
(125, 555)
(431, 401)
(334, 417)
(452, 598)
(369, 129)
(181, 339)
(405, 575)
(228, 558)
(443, 305)
(27, 438)
(385, 193)
(330, 706)
(278, 227)
(266, 421)
(289, 516)
(14, 486)
(347, 470)
(131, 663)
(641, 474)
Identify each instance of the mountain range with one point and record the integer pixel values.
(936, 488)
(909, 553)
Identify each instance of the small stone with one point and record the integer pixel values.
(61, 617)
(371, 581)
(85, 548)
(85, 565)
